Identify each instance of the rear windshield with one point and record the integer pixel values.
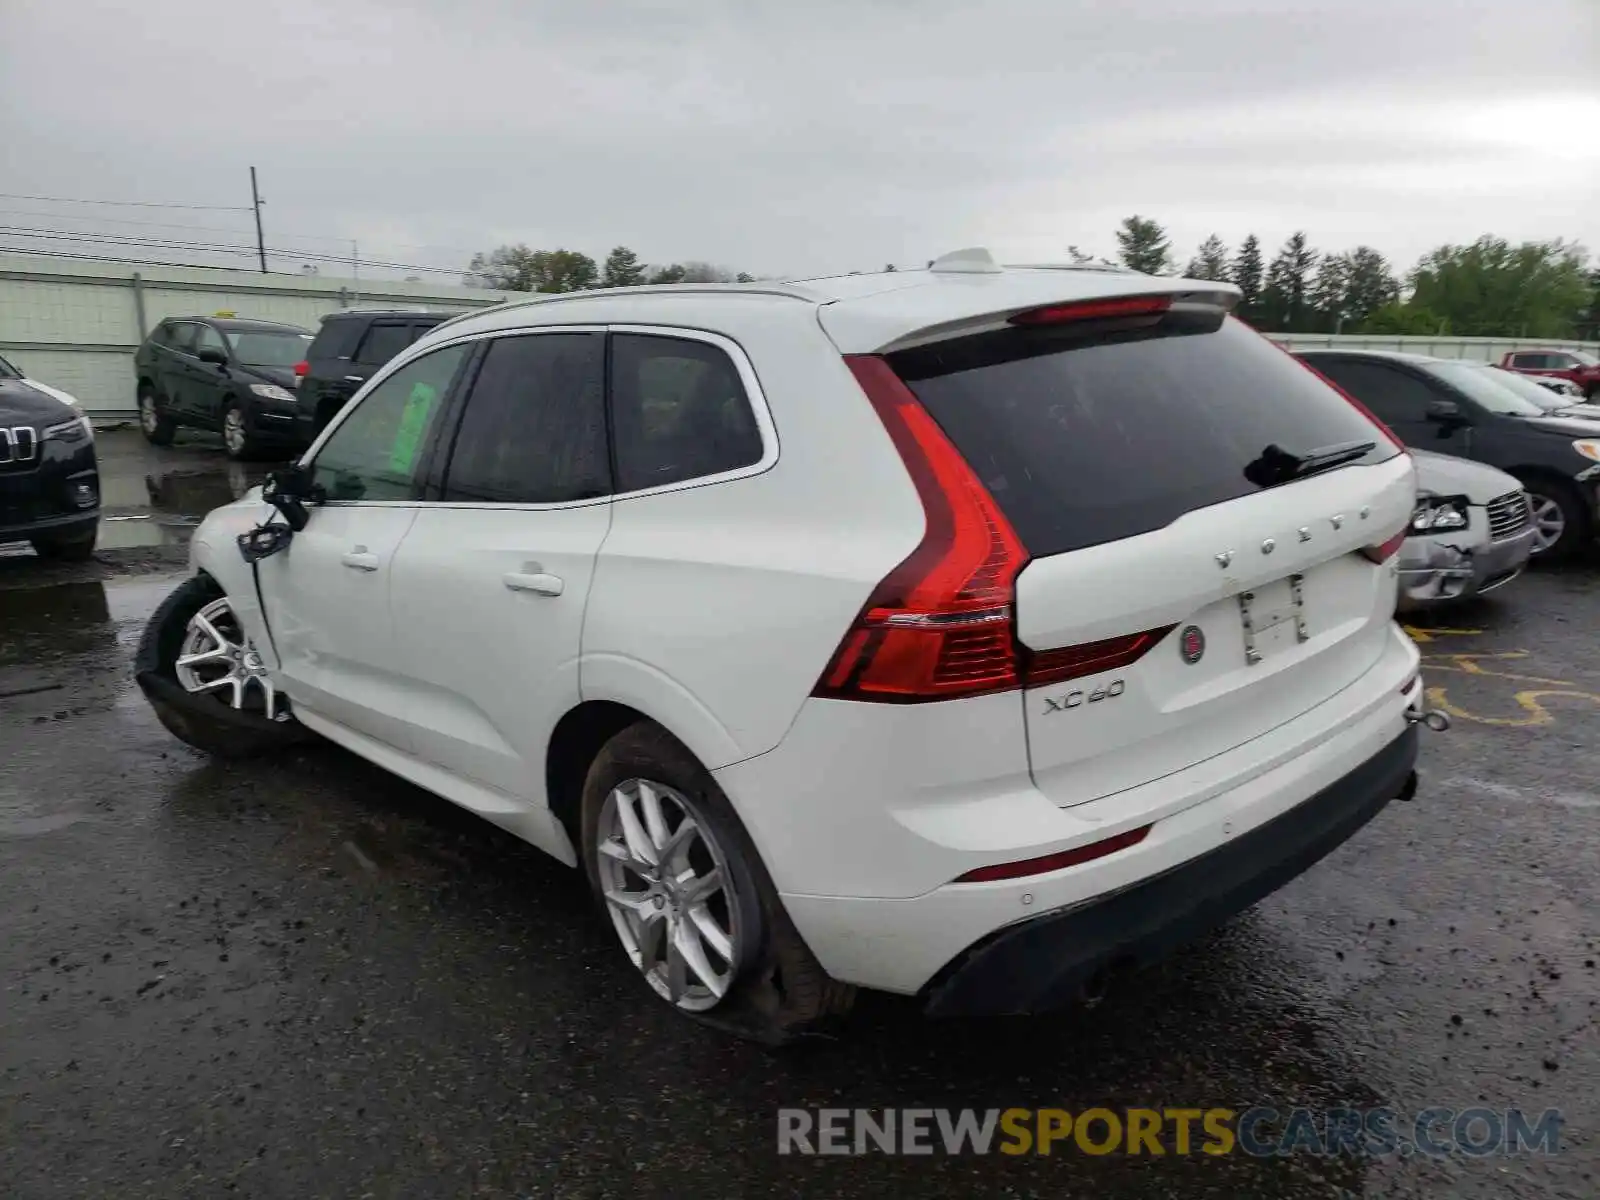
(1087, 436)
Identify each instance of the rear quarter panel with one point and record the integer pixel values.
(715, 608)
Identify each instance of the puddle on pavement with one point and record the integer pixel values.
(162, 508)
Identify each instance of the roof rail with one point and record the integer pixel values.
(787, 291)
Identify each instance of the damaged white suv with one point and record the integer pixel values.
(964, 633)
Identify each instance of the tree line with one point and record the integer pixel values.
(520, 269)
(1489, 288)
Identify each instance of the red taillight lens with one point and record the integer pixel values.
(301, 369)
(1073, 662)
(939, 625)
(1055, 862)
(1385, 550)
(1089, 310)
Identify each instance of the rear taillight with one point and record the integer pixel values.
(301, 370)
(1092, 310)
(941, 624)
(1384, 551)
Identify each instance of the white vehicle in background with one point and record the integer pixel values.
(1472, 532)
(966, 633)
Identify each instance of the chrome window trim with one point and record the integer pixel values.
(754, 396)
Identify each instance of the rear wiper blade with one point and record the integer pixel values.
(1277, 465)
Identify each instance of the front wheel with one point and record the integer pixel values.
(236, 439)
(1560, 520)
(205, 679)
(686, 893)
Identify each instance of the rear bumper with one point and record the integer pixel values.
(1045, 963)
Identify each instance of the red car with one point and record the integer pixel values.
(1577, 365)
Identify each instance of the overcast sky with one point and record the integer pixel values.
(810, 136)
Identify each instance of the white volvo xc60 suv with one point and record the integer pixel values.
(964, 633)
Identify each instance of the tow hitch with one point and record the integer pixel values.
(1435, 719)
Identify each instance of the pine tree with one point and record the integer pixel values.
(1210, 261)
(1142, 244)
(622, 269)
(1284, 297)
(1245, 274)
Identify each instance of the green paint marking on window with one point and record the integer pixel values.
(413, 424)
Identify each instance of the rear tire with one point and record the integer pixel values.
(204, 720)
(74, 549)
(1562, 518)
(775, 990)
(154, 423)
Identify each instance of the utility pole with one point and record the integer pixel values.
(256, 202)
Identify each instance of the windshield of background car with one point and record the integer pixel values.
(1091, 432)
(261, 348)
(1585, 358)
(1489, 393)
(1534, 393)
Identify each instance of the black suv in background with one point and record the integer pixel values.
(1459, 408)
(347, 351)
(222, 373)
(49, 482)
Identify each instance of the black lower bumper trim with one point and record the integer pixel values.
(1046, 962)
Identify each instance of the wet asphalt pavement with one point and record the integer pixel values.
(304, 978)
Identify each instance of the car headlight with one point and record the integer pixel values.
(76, 430)
(1436, 514)
(271, 391)
(1588, 447)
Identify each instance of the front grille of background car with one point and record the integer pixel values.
(1508, 515)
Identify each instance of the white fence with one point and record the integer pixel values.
(1482, 349)
(75, 325)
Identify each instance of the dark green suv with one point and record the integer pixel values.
(222, 373)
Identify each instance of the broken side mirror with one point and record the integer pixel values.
(290, 490)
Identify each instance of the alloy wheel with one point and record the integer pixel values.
(233, 435)
(1549, 522)
(148, 417)
(668, 889)
(216, 657)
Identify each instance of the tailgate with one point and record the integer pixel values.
(1254, 639)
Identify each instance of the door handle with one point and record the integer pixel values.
(355, 378)
(360, 558)
(539, 584)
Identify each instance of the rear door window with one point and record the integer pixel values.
(336, 339)
(180, 336)
(1086, 434)
(1395, 398)
(384, 340)
(679, 411)
(534, 426)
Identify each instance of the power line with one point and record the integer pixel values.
(194, 247)
(126, 203)
(60, 216)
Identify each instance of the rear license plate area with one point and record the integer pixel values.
(1273, 618)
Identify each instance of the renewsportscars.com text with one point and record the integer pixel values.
(1259, 1131)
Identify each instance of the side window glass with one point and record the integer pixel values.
(383, 342)
(1394, 398)
(375, 451)
(181, 337)
(207, 338)
(679, 411)
(533, 430)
